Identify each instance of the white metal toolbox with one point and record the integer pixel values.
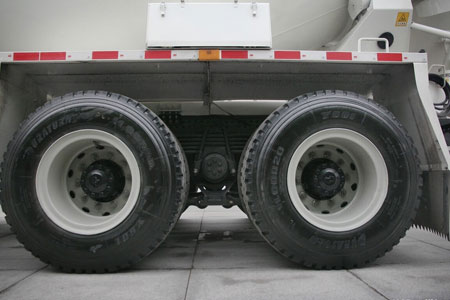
(191, 25)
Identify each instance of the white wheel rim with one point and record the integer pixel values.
(370, 176)
(57, 191)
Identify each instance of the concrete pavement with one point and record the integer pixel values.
(216, 254)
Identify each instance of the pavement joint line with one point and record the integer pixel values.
(368, 285)
(379, 264)
(419, 240)
(204, 269)
(6, 235)
(193, 256)
(269, 268)
(208, 268)
(19, 281)
(159, 270)
(263, 268)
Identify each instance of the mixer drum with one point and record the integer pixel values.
(293, 21)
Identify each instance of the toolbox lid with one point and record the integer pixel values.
(209, 25)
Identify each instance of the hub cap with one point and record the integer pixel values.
(322, 179)
(103, 180)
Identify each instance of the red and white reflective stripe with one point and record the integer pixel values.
(390, 56)
(100, 55)
(163, 54)
(6, 56)
(52, 56)
(234, 54)
(158, 54)
(347, 56)
(25, 56)
(294, 55)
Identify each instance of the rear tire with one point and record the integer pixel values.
(93, 182)
(331, 180)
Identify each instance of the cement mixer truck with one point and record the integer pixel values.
(319, 119)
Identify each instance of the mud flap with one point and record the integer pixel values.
(433, 214)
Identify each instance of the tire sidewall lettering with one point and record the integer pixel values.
(46, 132)
(278, 202)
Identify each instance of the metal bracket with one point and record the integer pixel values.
(361, 40)
(439, 69)
(447, 50)
(207, 99)
(163, 9)
(254, 8)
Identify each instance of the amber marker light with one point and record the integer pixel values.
(208, 54)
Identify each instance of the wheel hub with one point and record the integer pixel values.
(103, 180)
(215, 168)
(323, 179)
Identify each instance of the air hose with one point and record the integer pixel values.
(443, 107)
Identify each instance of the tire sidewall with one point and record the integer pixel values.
(146, 224)
(286, 131)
